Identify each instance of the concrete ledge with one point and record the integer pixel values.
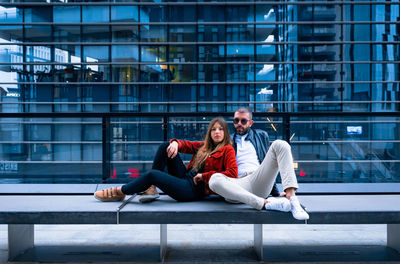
(335, 209)
(304, 188)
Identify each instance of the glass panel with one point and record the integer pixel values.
(124, 14)
(240, 52)
(211, 13)
(185, 53)
(10, 14)
(125, 73)
(95, 14)
(151, 33)
(153, 54)
(182, 14)
(38, 14)
(182, 33)
(67, 33)
(184, 73)
(96, 34)
(125, 33)
(64, 14)
(11, 33)
(240, 33)
(211, 33)
(239, 13)
(153, 13)
(38, 33)
(211, 53)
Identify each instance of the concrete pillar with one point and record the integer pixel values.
(393, 236)
(20, 239)
(258, 240)
(163, 241)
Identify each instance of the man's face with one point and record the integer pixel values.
(242, 123)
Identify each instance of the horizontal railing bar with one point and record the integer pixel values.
(193, 3)
(197, 114)
(137, 23)
(201, 102)
(150, 161)
(80, 142)
(342, 141)
(203, 122)
(199, 63)
(122, 141)
(315, 43)
(199, 83)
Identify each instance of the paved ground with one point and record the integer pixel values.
(214, 243)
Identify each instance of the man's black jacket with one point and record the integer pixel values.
(260, 140)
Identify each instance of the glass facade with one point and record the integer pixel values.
(61, 56)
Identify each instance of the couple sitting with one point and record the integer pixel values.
(214, 168)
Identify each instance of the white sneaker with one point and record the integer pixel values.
(298, 211)
(278, 204)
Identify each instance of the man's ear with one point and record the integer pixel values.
(251, 123)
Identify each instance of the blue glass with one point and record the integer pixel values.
(125, 33)
(10, 14)
(95, 14)
(236, 13)
(153, 54)
(95, 53)
(240, 52)
(182, 14)
(153, 13)
(211, 13)
(67, 33)
(66, 14)
(38, 33)
(153, 33)
(11, 33)
(38, 14)
(96, 33)
(210, 53)
(124, 13)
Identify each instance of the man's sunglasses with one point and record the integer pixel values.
(242, 121)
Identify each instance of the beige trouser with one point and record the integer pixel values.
(253, 188)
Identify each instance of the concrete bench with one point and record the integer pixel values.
(22, 212)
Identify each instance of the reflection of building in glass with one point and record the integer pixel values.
(215, 57)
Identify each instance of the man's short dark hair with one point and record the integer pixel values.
(245, 110)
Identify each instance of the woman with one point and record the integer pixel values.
(213, 155)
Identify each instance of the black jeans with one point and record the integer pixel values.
(177, 182)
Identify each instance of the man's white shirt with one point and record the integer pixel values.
(246, 156)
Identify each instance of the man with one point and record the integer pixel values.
(258, 166)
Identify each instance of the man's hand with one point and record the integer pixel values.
(172, 150)
(198, 178)
(282, 194)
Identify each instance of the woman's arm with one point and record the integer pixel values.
(187, 147)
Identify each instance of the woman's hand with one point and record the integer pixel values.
(172, 150)
(198, 178)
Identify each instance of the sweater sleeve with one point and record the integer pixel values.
(187, 147)
(230, 165)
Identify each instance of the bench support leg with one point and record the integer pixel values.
(393, 236)
(163, 241)
(20, 239)
(258, 240)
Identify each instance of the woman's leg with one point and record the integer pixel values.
(174, 166)
(181, 189)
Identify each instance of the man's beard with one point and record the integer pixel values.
(244, 131)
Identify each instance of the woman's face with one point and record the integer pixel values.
(217, 133)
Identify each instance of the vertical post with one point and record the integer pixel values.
(165, 127)
(393, 236)
(286, 128)
(258, 241)
(20, 239)
(163, 241)
(106, 147)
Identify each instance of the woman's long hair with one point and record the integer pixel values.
(209, 147)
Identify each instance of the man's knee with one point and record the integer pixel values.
(280, 145)
(215, 180)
